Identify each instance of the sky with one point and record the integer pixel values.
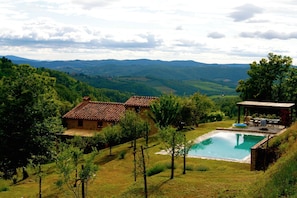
(211, 31)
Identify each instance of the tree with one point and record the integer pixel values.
(111, 136)
(290, 83)
(132, 127)
(146, 131)
(186, 147)
(166, 111)
(29, 117)
(173, 141)
(227, 105)
(202, 106)
(144, 173)
(187, 111)
(70, 174)
(35, 163)
(267, 78)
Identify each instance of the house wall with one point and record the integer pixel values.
(87, 124)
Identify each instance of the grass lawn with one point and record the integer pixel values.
(207, 178)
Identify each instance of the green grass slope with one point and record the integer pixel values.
(204, 178)
(280, 180)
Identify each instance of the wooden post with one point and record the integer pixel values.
(40, 180)
(144, 173)
(238, 114)
(82, 184)
(185, 153)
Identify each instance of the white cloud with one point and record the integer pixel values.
(270, 34)
(215, 35)
(212, 31)
(245, 12)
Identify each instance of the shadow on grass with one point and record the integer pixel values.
(138, 191)
(106, 159)
(156, 188)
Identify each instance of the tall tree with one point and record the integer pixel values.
(202, 106)
(173, 141)
(267, 78)
(132, 127)
(67, 162)
(29, 117)
(166, 111)
(290, 88)
(111, 136)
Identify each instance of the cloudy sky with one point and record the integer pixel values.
(212, 31)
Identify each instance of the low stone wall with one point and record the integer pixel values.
(262, 155)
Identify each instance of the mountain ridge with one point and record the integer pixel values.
(181, 77)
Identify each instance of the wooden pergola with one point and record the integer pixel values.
(287, 107)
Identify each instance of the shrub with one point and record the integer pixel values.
(202, 168)
(4, 188)
(189, 167)
(215, 116)
(158, 168)
(168, 165)
(122, 154)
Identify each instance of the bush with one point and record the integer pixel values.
(4, 188)
(158, 168)
(122, 154)
(189, 167)
(168, 165)
(202, 168)
(215, 116)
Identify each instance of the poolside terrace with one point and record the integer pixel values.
(268, 129)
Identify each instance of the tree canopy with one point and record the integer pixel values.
(269, 79)
(29, 116)
(166, 111)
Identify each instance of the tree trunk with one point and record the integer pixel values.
(134, 154)
(184, 172)
(25, 173)
(172, 157)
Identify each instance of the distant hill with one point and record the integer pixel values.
(180, 77)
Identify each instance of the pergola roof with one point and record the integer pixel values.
(266, 104)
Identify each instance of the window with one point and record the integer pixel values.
(80, 123)
(99, 124)
(137, 109)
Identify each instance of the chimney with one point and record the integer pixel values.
(86, 99)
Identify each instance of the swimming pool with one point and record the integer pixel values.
(225, 145)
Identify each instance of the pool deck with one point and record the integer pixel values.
(271, 130)
(268, 130)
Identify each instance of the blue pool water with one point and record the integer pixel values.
(225, 145)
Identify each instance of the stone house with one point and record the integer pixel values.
(89, 117)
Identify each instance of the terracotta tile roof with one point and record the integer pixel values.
(140, 101)
(91, 110)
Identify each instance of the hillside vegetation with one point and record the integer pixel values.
(280, 180)
(151, 77)
(204, 178)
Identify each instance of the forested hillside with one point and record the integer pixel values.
(151, 77)
(70, 91)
